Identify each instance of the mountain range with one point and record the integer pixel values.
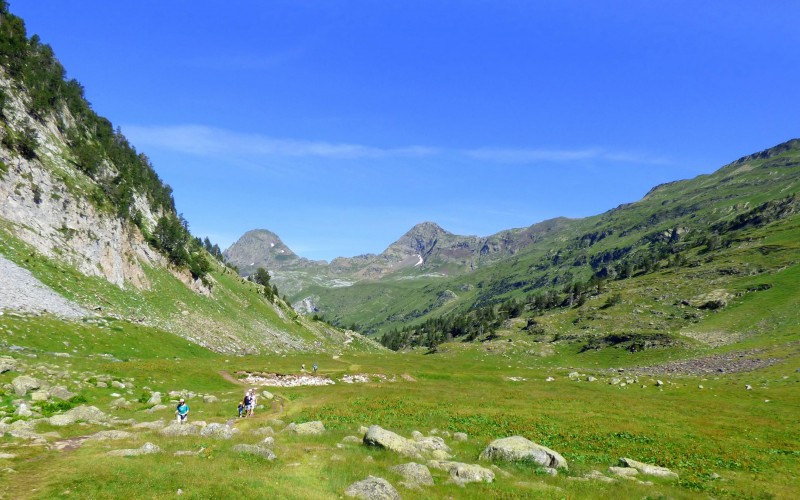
(407, 281)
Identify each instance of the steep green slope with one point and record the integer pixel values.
(686, 228)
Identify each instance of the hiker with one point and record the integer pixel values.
(182, 411)
(252, 403)
(241, 408)
(247, 402)
(315, 367)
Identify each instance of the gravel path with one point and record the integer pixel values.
(20, 291)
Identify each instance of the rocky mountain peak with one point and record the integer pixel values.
(259, 248)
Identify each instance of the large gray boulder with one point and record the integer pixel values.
(372, 488)
(306, 429)
(254, 449)
(647, 469)
(7, 364)
(219, 431)
(61, 392)
(24, 383)
(380, 437)
(415, 474)
(461, 473)
(89, 414)
(177, 429)
(519, 449)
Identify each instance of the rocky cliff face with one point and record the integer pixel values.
(44, 203)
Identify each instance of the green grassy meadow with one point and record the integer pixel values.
(723, 440)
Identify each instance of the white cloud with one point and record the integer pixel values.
(208, 141)
(499, 155)
(203, 141)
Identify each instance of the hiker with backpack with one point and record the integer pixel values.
(182, 411)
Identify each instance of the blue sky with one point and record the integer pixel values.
(340, 125)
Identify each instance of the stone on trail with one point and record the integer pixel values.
(380, 437)
(254, 449)
(315, 428)
(461, 473)
(372, 488)
(145, 449)
(24, 383)
(415, 474)
(647, 469)
(519, 449)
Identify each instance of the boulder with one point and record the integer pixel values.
(519, 449)
(372, 488)
(315, 428)
(351, 440)
(23, 410)
(208, 398)
(380, 437)
(145, 449)
(254, 449)
(7, 364)
(157, 408)
(647, 469)
(414, 474)
(40, 395)
(267, 395)
(264, 431)
(431, 443)
(24, 383)
(61, 392)
(89, 414)
(155, 399)
(176, 429)
(219, 431)
(268, 441)
(460, 436)
(117, 385)
(462, 473)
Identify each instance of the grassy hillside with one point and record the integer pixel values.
(235, 317)
(707, 233)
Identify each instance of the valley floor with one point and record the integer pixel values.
(724, 434)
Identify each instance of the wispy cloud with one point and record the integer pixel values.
(532, 156)
(208, 141)
(203, 141)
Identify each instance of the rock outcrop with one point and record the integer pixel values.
(520, 449)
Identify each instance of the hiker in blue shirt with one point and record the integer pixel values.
(182, 411)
